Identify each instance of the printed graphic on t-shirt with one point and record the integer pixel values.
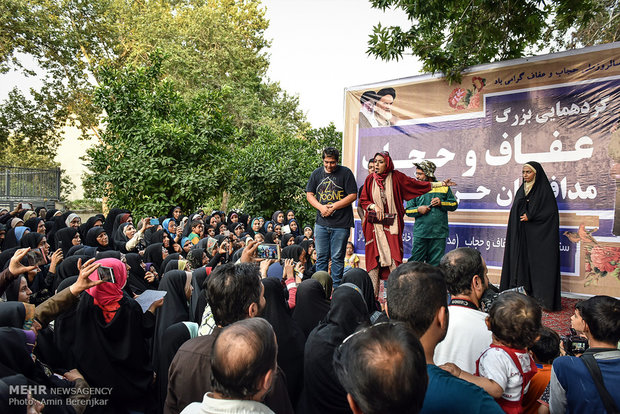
(328, 192)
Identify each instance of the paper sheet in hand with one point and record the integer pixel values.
(147, 298)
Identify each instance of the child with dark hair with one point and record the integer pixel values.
(544, 351)
(506, 368)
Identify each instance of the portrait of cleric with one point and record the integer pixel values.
(376, 109)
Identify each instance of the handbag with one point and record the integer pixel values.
(388, 218)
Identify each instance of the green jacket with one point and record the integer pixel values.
(434, 224)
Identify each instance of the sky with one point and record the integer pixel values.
(319, 48)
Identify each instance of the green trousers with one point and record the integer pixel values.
(428, 250)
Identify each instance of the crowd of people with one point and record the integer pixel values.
(179, 314)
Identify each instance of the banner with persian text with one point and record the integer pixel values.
(560, 110)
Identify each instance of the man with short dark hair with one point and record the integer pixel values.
(331, 189)
(383, 370)
(417, 296)
(234, 293)
(468, 336)
(243, 363)
(572, 387)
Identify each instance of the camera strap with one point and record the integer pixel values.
(592, 366)
(464, 303)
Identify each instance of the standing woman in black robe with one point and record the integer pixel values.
(532, 252)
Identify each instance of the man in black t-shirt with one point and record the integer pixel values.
(331, 189)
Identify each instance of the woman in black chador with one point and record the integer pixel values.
(532, 253)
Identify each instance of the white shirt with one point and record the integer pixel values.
(467, 338)
(211, 405)
(496, 365)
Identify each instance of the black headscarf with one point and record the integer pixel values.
(197, 302)
(311, 306)
(108, 225)
(528, 241)
(174, 336)
(84, 227)
(120, 239)
(91, 239)
(10, 239)
(12, 314)
(64, 239)
(290, 337)
(285, 238)
(68, 267)
(50, 213)
(135, 277)
(175, 308)
(109, 254)
(322, 390)
(85, 251)
(33, 223)
(58, 222)
(292, 252)
(5, 257)
(73, 250)
(118, 221)
(361, 279)
(270, 237)
(171, 215)
(31, 240)
(12, 290)
(166, 261)
(294, 232)
(153, 254)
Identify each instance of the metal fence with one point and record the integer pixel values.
(29, 184)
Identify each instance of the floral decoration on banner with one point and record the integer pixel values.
(461, 98)
(601, 261)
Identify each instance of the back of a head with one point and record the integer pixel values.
(243, 353)
(384, 369)
(602, 314)
(515, 319)
(460, 266)
(231, 289)
(416, 292)
(547, 346)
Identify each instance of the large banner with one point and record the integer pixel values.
(560, 110)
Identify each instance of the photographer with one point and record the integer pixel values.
(575, 386)
(468, 336)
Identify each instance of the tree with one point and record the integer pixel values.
(159, 147)
(603, 27)
(277, 180)
(450, 36)
(211, 44)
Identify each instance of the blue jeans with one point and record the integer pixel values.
(331, 242)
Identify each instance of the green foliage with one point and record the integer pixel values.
(601, 24)
(159, 148)
(449, 36)
(272, 171)
(88, 204)
(211, 44)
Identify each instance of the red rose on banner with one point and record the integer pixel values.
(456, 97)
(601, 258)
(478, 83)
